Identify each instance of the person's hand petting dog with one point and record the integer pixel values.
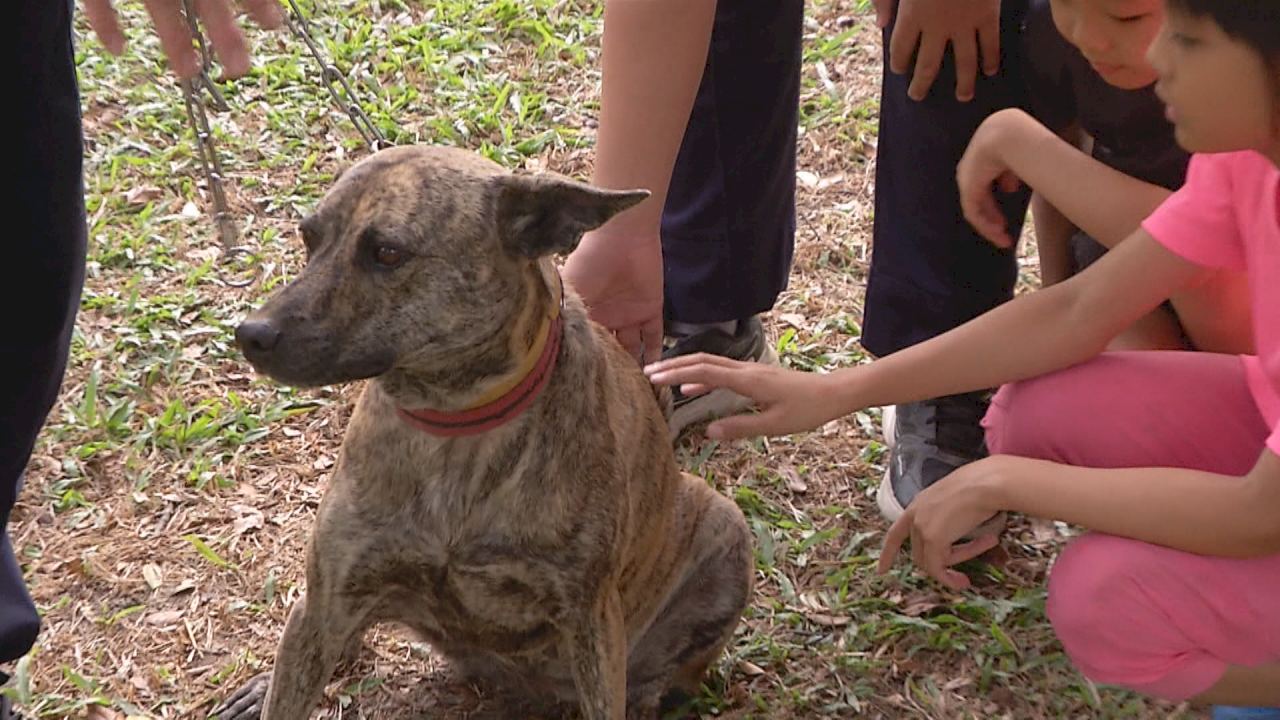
(789, 401)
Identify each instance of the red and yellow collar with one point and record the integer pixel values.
(508, 399)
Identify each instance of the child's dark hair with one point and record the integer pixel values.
(1255, 23)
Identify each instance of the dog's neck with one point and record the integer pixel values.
(510, 397)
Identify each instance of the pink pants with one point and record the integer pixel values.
(1157, 621)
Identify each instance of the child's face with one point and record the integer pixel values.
(1113, 35)
(1218, 92)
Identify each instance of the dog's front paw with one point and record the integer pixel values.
(245, 703)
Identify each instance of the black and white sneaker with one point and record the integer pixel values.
(927, 441)
(748, 344)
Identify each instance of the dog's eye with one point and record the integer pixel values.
(388, 256)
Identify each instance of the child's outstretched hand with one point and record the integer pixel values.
(789, 401)
(981, 170)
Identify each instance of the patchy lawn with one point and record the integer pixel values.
(166, 510)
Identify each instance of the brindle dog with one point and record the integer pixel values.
(506, 487)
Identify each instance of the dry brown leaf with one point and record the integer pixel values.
(164, 617)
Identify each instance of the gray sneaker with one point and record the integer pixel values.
(748, 344)
(927, 441)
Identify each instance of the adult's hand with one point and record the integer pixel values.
(928, 25)
(218, 17)
(619, 277)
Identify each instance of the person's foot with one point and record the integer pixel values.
(927, 441)
(1227, 712)
(747, 343)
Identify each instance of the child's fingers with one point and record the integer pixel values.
(687, 361)
(691, 389)
(1009, 182)
(893, 541)
(704, 374)
(982, 213)
(934, 560)
(966, 551)
(739, 426)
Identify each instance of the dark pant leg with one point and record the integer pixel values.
(930, 272)
(728, 227)
(44, 264)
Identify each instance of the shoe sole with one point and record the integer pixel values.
(715, 404)
(888, 419)
(892, 510)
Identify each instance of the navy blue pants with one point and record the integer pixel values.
(44, 252)
(729, 221)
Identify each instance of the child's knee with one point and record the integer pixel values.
(1105, 606)
(1015, 424)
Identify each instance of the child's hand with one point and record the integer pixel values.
(789, 401)
(982, 169)
(939, 517)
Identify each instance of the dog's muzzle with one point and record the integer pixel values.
(257, 338)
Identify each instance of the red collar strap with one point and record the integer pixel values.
(509, 404)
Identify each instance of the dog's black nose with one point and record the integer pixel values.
(258, 336)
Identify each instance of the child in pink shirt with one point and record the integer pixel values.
(1170, 459)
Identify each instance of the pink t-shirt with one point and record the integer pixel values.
(1227, 216)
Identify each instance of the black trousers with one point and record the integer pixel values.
(44, 251)
(729, 221)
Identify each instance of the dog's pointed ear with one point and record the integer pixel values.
(538, 215)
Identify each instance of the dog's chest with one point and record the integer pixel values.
(480, 591)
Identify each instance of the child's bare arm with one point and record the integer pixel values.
(1105, 203)
(1029, 336)
(1053, 241)
(1053, 229)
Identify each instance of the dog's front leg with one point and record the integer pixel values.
(314, 640)
(597, 648)
(315, 636)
